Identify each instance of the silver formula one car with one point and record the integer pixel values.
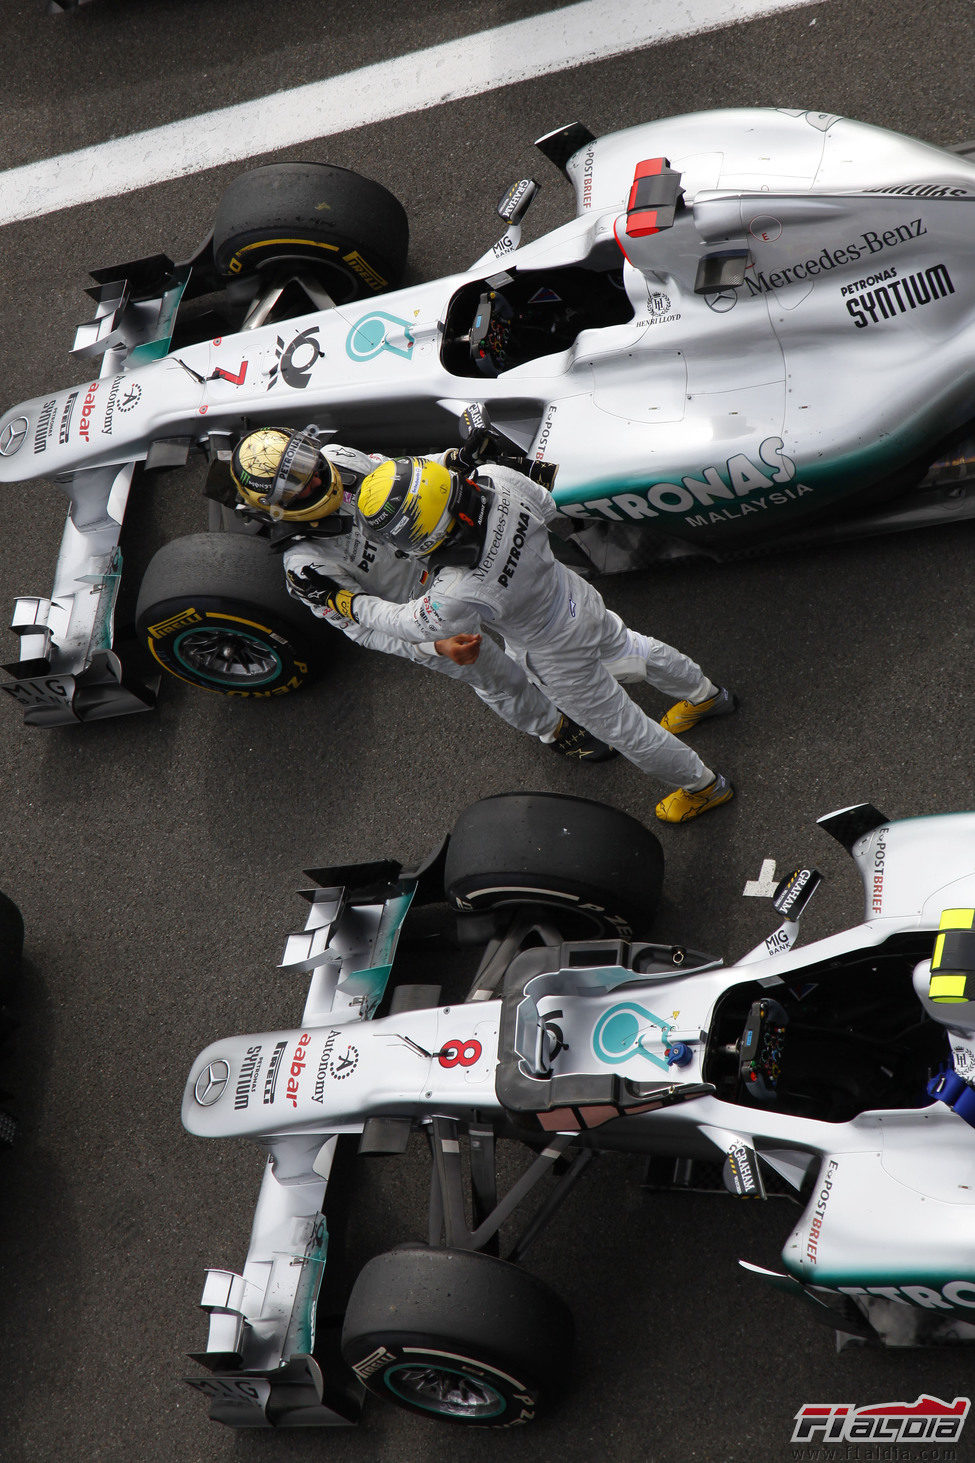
(840, 1075)
(756, 327)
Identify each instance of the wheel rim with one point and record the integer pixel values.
(445, 1391)
(227, 657)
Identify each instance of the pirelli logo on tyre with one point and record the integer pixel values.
(364, 270)
(175, 622)
(372, 1362)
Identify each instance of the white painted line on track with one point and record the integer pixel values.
(574, 35)
(765, 885)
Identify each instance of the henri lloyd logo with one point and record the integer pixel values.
(927, 1421)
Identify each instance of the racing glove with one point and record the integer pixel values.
(316, 588)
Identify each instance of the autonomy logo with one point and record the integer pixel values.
(925, 1421)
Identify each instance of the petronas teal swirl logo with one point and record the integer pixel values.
(378, 332)
(629, 1030)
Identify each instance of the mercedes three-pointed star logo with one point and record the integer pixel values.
(721, 301)
(211, 1083)
(12, 436)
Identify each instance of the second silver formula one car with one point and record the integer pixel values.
(757, 326)
(840, 1074)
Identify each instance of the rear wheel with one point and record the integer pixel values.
(457, 1335)
(596, 865)
(213, 611)
(286, 217)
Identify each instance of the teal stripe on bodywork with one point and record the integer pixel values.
(369, 984)
(831, 478)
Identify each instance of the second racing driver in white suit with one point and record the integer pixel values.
(486, 539)
(304, 489)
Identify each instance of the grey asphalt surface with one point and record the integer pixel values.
(156, 859)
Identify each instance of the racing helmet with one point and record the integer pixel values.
(413, 505)
(945, 984)
(274, 472)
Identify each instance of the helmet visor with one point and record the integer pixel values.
(299, 463)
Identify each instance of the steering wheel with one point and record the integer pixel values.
(490, 333)
(760, 1049)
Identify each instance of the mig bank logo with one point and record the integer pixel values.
(927, 1421)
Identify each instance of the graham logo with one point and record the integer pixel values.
(797, 883)
(742, 1171)
(927, 1420)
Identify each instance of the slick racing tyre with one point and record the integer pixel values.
(457, 1335)
(213, 611)
(284, 217)
(591, 861)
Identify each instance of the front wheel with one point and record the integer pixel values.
(599, 868)
(456, 1335)
(213, 611)
(352, 232)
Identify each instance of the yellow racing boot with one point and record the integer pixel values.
(681, 806)
(685, 714)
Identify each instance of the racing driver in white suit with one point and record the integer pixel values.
(486, 539)
(296, 483)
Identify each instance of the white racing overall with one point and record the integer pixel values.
(355, 562)
(569, 639)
